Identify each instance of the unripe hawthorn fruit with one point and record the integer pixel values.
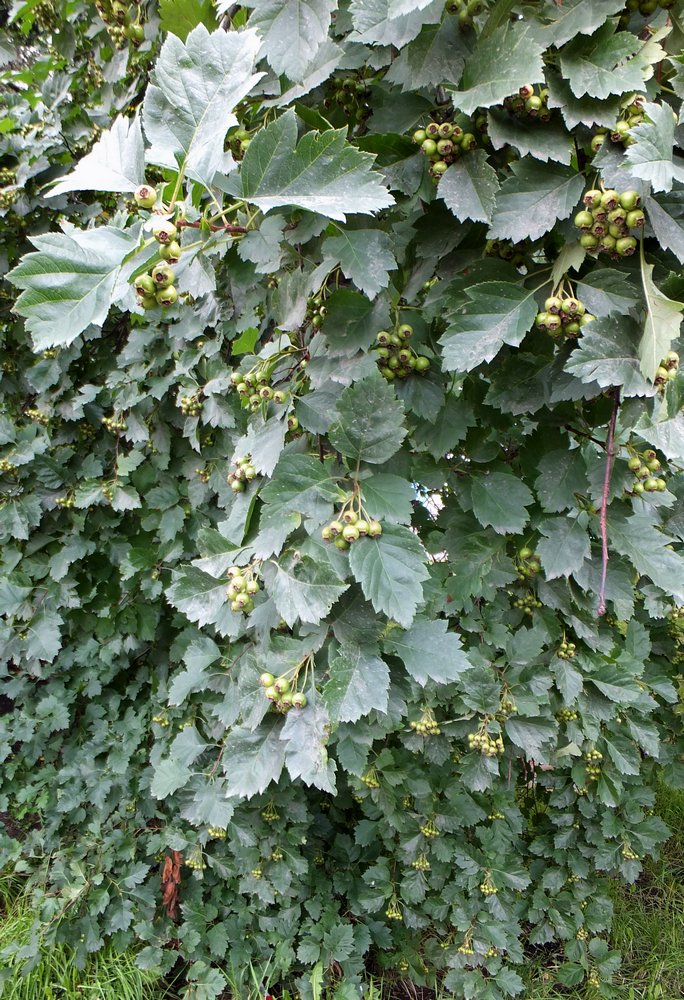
(422, 363)
(445, 130)
(292, 423)
(419, 136)
(634, 463)
(148, 301)
(164, 231)
(136, 33)
(588, 241)
(429, 147)
(252, 587)
(145, 196)
(527, 90)
(281, 684)
(553, 305)
(635, 219)
(170, 252)
(584, 220)
(572, 307)
(617, 232)
(596, 143)
(649, 455)
(662, 485)
(638, 488)
(374, 529)
(326, 534)
(540, 320)
(592, 198)
(629, 200)
(626, 246)
(440, 167)
(299, 700)
(525, 552)
(432, 130)
(533, 105)
(167, 296)
(144, 285)
(266, 679)
(350, 533)
(650, 484)
(553, 323)
(237, 486)
(162, 276)
(383, 338)
(610, 199)
(617, 217)
(362, 527)
(350, 517)
(572, 329)
(341, 543)
(336, 528)
(468, 141)
(445, 147)
(599, 229)
(672, 359)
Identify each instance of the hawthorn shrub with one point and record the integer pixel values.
(342, 509)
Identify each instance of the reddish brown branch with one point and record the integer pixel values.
(610, 454)
(183, 224)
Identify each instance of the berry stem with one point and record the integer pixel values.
(184, 224)
(610, 454)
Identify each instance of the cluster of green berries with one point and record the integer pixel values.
(488, 746)
(256, 872)
(195, 859)
(52, 352)
(527, 603)
(156, 288)
(563, 315)
(238, 142)
(594, 979)
(567, 715)
(507, 707)
(349, 526)
(465, 11)
(529, 103)
(216, 833)
(393, 911)
(667, 370)
(402, 965)
(316, 311)
(277, 854)
(270, 814)
(45, 15)
(395, 358)
(566, 650)
(190, 405)
(114, 424)
(243, 473)
(631, 114)
(350, 95)
(676, 614)
(496, 815)
(593, 767)
(465, 949)
(108, 491)
(427, 724)
(370, 778)
(628, 854)
(606, 221)
(254, 388)
(66, 503)
(123, 22)
(7, 197)
(527, 563)
(443, 143)
(242, 588)
(279, 691)
(8, 175)
(645, 466)
(505, 250)
(429, 830)
(648, 7)
(421, 864)
(161, 720)
(487, 887)
(37, 416)
(582, 934)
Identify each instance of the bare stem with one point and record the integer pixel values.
(610, 454)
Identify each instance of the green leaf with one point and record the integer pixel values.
(169, 775)
(562, 475)
(181, 16)
(115, 163)
(200, 597)
(388, 498)
(430, 652)
(543, 140)
(469, 187)
(498, 65)
(663, 321)
(376, 23)
(606, 291)
(576, 17)
(534, 198)
(391, 570)
(301, 588)
(585, 110)
(321, 173)
(497, 313)
(263, 245)
(205, 983)
(292, 31)
(358, 682)
(365, 256)
(68, 283)
(638, 538)
(301, 484)
(564, 546)
(650, 154)
(609, 62)
(531, 735)
(666, 216)
(370, 421)
(190, 102)
(352, 321)
(607, 354)
(253, 758)
(499, 500)
(44, 638)
(305, 734)
(437, 55)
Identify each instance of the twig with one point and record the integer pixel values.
(610, 454)
(184, 224)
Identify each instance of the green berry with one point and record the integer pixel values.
(145, 196)
(162, 276)
(164, 232)
(167, 296)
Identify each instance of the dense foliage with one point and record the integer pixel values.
(342, 508)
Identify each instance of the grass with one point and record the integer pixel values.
(648, 930)
(108, 975)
